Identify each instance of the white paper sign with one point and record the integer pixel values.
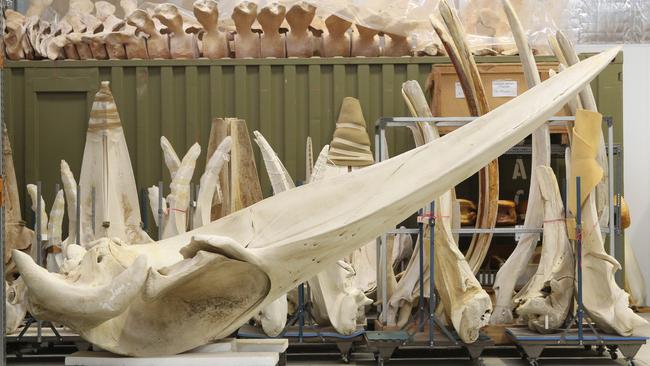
(504, 88)
(459, 91)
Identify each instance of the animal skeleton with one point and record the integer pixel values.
(121, 296)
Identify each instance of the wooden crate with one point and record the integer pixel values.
(502, 83)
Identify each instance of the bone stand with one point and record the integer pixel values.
(336, 42)
(206, 283)
(214, 42)
(181, 44)
(273, 43)
(247, 42)
(365, 42)
(157, 43)
(299, 40)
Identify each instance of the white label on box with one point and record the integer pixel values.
(459, 91)
(504, 88)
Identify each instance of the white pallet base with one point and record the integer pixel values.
(228, 352)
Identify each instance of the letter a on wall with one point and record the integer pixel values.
(520, 170)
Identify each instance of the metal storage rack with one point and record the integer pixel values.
(613, 230)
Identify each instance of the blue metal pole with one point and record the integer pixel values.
(301, 311)
(579, 250)
(432, 276)
(421, 242)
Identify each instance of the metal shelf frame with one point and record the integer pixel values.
(613, 230)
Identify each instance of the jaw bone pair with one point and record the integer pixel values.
(206, 283)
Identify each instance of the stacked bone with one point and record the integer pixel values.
(93, 31)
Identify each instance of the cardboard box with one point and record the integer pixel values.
(502, 83)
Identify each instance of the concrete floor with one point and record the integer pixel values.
(491, 358)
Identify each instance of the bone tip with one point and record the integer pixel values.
(105, 85)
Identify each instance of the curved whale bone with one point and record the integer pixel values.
(457, 47)
(210, 184)
(517, 262)
(208, 288)
(547, 298)
(70, 190)
(214, 42)
(178, 200)
(54, 234)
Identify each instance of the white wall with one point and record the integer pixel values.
(636, 140)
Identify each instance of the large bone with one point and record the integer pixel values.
(247, 42)
(105, 12)
(272, 43)
(178, 200)
(397, 45)
(54, 233)
(477, 103)
(106, 167)
(336, 41)
(516, 264)
(209, 288)
(365, 42)
(88, 41)
(16, 305)
(214, 42)
(605, 302)
(309, 159)
(17, 235)
(547, 298)
(70, 189)
(157, 43)
(219, 130)
(209, 183)
(299, 40)
(14, 35)
(464, 300)
(181, 44)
